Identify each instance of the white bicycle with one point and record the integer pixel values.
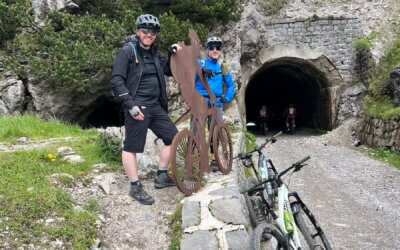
(276, 213)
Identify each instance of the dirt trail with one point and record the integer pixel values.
(356, 199)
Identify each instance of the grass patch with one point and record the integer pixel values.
(33, 127)
(175, 223)
(385, 155)
(28, 196)
(382, 108)
(28, 199)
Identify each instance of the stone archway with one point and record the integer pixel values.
(286, 74)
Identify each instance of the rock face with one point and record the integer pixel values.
(12, 94)
(394, 85)
(381, 133)
(47, 102)
(42, 7)
(351, 103)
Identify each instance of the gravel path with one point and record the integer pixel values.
(356, 199)
(126, 224)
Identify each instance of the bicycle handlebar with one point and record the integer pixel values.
(303, 160)
(297, 166)
(272, 139)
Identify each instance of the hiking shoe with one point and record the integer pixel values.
(137, 192)
(163, 180)
(214, 166)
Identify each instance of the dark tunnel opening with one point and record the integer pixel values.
(289, 81)
(105, 113)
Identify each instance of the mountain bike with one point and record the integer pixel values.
(276, 213)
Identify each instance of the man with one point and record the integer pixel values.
(139, 84)
(264, 119)
(217, 76)
(290, 114)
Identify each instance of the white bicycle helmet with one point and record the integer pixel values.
(147, 21)
(214, 40)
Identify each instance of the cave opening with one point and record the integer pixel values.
(103, 113)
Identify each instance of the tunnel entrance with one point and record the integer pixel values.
(103, 113)
(287, 81)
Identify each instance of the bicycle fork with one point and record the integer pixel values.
(320, 233)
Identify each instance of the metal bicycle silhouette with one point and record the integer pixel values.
(189, 151)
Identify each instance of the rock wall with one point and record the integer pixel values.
(12, 94)
(381, 133)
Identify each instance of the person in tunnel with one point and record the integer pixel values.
(290, 113)
(264, 119)
(217, 75)
(139, 85)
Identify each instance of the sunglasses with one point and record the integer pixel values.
(152, 32)
(215, 47)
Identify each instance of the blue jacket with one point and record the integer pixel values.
(216, 82)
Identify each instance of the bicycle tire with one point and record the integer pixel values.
(265, 128)
(223, 150)
(185, 162)
(253, 203)
(291, 126)
(301, 224)
(258, 240)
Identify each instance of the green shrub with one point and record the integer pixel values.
(13, 16)
(73, 52)
(197, 11)
(174, 30)
(110, 148)
(365, 43)
(272, 7)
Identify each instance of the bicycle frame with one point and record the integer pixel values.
(284, 205)
(277, 208)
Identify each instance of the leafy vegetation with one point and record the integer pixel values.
(250, 140)
(175, 223)
(272, 7)
(385, 155)
(75, 51)
(13, 16)
(366, 42)
(32, 209)
(378, 104)
(382, 108)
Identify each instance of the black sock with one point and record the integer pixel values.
(134, 183)
(161, 171)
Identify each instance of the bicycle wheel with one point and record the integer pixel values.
(265, 128)
(185, 162)
(222, 145)
(260, 235)
(254, 204)
(291, 126)
(305, 226)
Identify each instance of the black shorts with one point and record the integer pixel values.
(156, 119)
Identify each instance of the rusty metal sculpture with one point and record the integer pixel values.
(189, 153)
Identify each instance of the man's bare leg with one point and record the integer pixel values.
(130, 165)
